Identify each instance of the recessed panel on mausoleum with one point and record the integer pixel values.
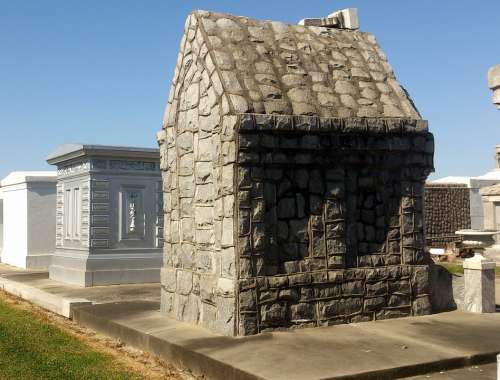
(293, 167)
(109, 215)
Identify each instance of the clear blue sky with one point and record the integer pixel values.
(99, 71)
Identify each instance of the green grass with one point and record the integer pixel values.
(457, 268)
(33, 349)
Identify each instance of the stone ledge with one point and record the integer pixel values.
(375, 125)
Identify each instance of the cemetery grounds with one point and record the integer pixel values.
(36, 344)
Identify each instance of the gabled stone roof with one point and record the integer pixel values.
(271, 67)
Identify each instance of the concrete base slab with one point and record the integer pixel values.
(28, 262)
(373, 350)
(39, 281)
(104, 277)
(385, 349)
(106, 268)
(55, 303)
(38, 262)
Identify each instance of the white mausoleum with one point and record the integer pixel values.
(109, 215)
(29, 219)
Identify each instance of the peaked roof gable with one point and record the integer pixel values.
(271, 67)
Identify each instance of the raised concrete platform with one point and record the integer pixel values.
(374, 350)
(60, 298)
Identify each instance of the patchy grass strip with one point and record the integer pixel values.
(35, 344)
(457, 268)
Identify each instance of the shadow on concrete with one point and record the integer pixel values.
(121, 309)
(223, 343)
(443, 294)
(26, 276)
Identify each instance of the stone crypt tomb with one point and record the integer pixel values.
(29, 219)
(447, 208)
(474, 185)
(109, 215)
(293, 168)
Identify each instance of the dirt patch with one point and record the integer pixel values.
(140, 362)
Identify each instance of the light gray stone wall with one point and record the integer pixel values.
(197, 162)
(477, 216)
(41, 222)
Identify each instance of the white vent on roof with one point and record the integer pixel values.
(343, 19)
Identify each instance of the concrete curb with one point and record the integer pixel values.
(164, 346)
(197, 363)
(421, 369)
(57, 304)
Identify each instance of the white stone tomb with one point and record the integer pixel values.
(109, 215)
(29, 219)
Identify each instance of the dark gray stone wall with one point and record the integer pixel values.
(330, 221)
(446, 210)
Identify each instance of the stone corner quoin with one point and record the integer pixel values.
(293, 166)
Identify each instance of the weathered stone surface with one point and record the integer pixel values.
(345, 87)
(169, 279)
(447, 209)
(184, 282)
(293, 171)
(307, 237)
